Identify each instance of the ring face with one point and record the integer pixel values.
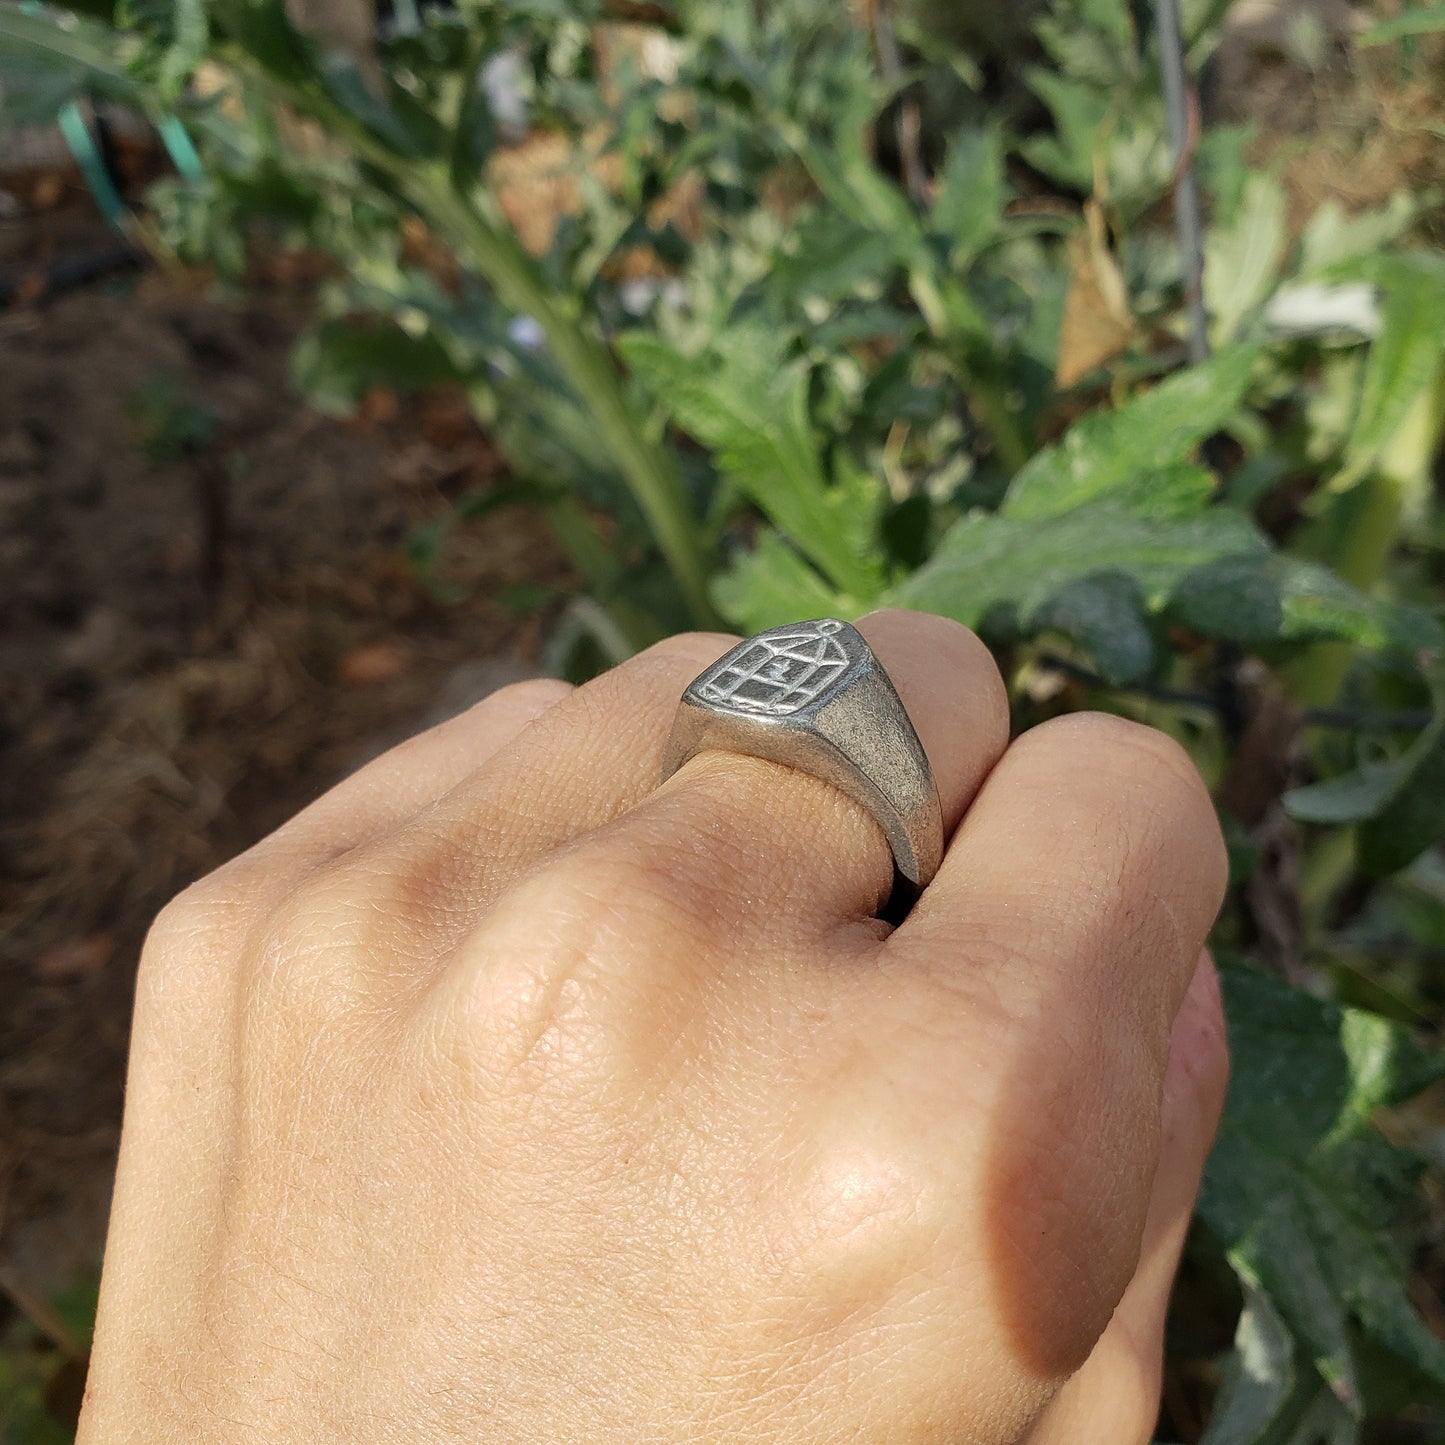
(778, 673)
(812, 696)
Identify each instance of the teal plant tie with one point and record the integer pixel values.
(181, 150)
(92, 167)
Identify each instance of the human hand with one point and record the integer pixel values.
(503, 1096)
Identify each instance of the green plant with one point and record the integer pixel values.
(794, 388)
(168, 426)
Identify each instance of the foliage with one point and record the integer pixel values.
(751, 372)
(1306, 1196)
(36, 1358)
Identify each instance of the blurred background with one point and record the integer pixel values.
(356, 361)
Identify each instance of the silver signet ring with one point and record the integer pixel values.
(813, 696)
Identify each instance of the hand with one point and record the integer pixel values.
(503, 1096)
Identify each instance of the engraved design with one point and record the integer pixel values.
(778, 672)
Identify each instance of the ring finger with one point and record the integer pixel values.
(727, 829)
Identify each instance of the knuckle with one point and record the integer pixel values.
(336, 930)
(528, 1016)
(1122, 746)
(192, 921)
(1146, 767)
(527, 698)
(562, 984)
(864, 1217)
(188, 957)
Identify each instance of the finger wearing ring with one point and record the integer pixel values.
(813, 696)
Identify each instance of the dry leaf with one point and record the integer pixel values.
(1097, 325)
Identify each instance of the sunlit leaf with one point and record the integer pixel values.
(751, 408)
(987, 560)
(771, 585)
(968, 205)
(1260, 1377)
(1110, 450)
(1242, 259)
(1405, 360)
(1332, 236)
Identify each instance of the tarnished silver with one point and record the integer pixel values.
(813, 696)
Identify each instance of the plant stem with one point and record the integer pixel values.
(648, 469)
(584, 361)
(1379, 505)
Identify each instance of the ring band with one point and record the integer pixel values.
(813, 696)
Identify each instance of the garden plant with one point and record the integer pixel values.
(798, 309)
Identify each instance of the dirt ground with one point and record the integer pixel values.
(175, 681)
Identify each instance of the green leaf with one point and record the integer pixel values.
(264, 31)
(1104, 613)
(1404, 361)
(1169, 492)
(1092, 39)
(80, 49)
(1110, 450)
(1221, 161)
(1304, 1193)
(985, 560)
(1413, 817)
(1348, 798)
(750, 407)
(1259, 1378)
(1317, 605)
(1399, 804)
(968, 206)
(771, 585)
(37, 93)
(412, 134)
(1426, 20)
(1331, 237)
(475, 135)
(1242, 259)
(1278, 597)
(180, 28)
(829, 258)
(1067, 156)
(341, 359)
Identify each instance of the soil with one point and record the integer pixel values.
(206, 617)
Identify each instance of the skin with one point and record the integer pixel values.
(504, 1096)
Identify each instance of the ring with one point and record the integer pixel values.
(813, 696)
